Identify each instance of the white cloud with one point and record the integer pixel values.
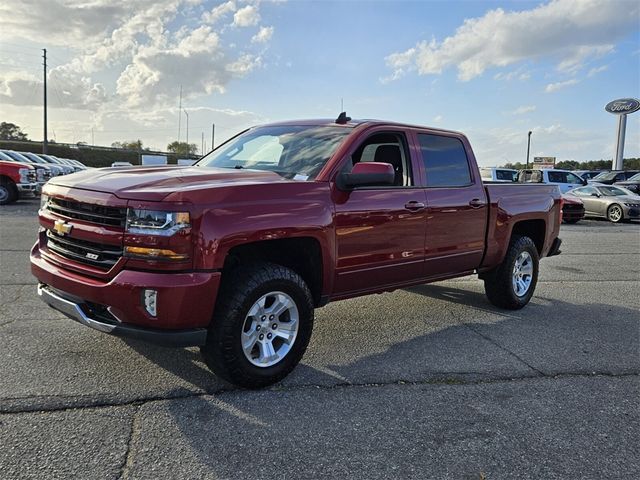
(524, 109)
(513, 75)
(136, 46)
(219, 12)
(247, 16)
(263, 35)
(567, 31)
(597, 70)
(554, 87)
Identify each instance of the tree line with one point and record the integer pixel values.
(12, 132)
(628, 164)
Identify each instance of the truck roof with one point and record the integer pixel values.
(328, 122)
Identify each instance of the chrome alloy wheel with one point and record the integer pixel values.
(522, 274)
(615, 213)
(270, 329)
(4, 193)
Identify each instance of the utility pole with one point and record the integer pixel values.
(528, 147)
(179, 113)
(213, 134)
(45, 141)
(185, 112)
(202, 145)
(92, 141)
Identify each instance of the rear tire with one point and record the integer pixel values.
(511, 285)
(615, 213)
(237, 348)
(8, 192)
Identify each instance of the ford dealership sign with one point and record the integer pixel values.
(623, 106)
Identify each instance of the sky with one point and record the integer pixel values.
(493, 70)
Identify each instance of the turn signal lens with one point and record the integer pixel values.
(154, 253)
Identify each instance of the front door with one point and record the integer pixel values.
(380, 231)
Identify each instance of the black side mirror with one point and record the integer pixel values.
(594, 194)
(367, 174)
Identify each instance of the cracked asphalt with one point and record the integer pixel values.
(426, 382)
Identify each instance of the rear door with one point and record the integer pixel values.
(380, 230)
(456, 204)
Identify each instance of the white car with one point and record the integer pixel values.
(121, 164)
(564, 179)
(497, 174)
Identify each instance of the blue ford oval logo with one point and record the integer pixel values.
(623, 106)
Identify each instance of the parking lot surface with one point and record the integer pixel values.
(426, 382)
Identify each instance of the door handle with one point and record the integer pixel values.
(476, 203)
(414, 206)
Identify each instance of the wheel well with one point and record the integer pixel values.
(534, 229)
(9, 180)
(302, 255)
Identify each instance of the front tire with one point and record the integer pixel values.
(615, 213)
(261, 326)
(8, 192)
(511, 285)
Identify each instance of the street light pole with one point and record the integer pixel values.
(185, 112)
(528, 147)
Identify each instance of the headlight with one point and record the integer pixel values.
(152, 222)
(24, 175)
(44, 199)
(40, 175)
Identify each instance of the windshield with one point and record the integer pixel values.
(613, 191)
(605, 176)
(291, 150)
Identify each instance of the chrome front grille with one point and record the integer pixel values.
(96, 214)
(90, 253)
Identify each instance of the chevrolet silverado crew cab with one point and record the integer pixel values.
(234, 253)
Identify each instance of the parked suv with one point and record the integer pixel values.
(564, 179)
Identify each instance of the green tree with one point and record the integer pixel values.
(129, 145)
(11, 131)
(182, 148)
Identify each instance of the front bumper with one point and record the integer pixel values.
(79, 313)
(185, 301)
(27, 189)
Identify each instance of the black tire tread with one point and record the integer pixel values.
(220, 352)
(497, 284)
(11, 188)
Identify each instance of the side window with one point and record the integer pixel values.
(445, 161)
(584, 192)
(574, 179)
(387, 148)
(558, 177)
(504, 175)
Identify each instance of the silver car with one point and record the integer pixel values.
(613, 203)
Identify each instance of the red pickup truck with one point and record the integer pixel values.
(233, 254)
(17, 180)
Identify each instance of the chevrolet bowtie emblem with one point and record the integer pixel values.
(62, 228)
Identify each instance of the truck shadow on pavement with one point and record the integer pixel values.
(544, 340)
(548, 337)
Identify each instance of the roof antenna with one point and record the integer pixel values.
(342, 118)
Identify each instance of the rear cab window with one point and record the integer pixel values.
(445, 161)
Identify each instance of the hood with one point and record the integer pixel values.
(156, 183)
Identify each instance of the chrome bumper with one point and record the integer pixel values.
(169, 338)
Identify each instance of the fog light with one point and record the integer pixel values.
(150, 301)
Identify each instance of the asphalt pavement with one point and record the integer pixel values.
(426, 382)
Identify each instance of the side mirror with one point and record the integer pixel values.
(584, 182)
(367, 174)
(594, 194)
